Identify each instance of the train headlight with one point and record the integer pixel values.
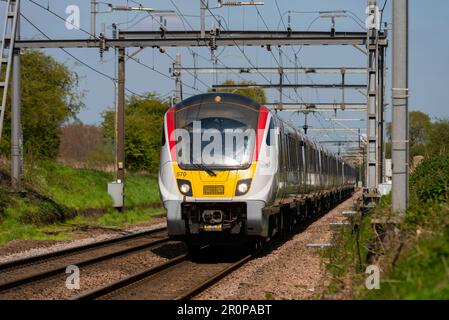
(185, 187)
(242, 187)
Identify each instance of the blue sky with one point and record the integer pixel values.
(429, 51)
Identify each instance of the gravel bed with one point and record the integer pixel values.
(291, 271)
(19, 249)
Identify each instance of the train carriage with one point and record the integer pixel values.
(231, 171)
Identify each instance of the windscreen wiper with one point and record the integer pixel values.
(204, 168)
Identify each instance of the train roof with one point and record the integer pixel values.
(225, 97)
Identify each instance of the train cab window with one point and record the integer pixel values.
(270, 132)
(223, 131)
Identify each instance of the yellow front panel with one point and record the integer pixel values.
(221, 186)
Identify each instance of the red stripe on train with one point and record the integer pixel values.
(263, 116)
(171, 132)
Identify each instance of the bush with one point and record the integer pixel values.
(4, 202)
(430, 180)
(420, 272)
(143, 128)
(32, 208)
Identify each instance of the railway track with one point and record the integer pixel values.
(29, 270)
(180, 278)
(183, 277)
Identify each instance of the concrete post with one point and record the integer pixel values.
(16, 114)
(400, 135)
(372, 164)
(120, 125)
(203, 7)
(93, 19)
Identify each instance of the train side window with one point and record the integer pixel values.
(270, 132)
(163, 136)
(292, 154)
(287, 146)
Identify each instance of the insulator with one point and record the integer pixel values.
(213, 41)
(114, 31)
(102, 45)
(213, 44)
(232, 3)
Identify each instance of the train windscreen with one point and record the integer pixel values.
(216, 135)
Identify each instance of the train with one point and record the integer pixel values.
(233, 172)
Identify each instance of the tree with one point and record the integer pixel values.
(143, 127)
(84, 145)
(49, 99)
(419, 126)
(438, 138)
(257, 94)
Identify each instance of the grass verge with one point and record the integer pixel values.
(60, 199)
(413, 255)
(86, 188)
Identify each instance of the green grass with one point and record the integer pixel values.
(423, 272)
(85, 188)
(114, 218)
(141, 190)
(73, 188)
(11, 229)
(57, 193)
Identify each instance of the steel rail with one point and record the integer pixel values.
(77, 249)
(122, 284)
(81, 263)
(214, 279)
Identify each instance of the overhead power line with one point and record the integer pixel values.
(97, 38)
(79, 60)
(243, 52)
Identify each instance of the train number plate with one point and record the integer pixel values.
(213, 227)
